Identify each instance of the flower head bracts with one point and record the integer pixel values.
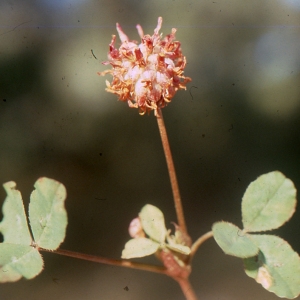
(147, 75)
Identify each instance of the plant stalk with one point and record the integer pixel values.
(109, 261)
(199, 242)
(171, 169)
(187, 289)
(184, 283)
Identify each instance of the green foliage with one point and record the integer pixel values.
(153, 224)
(139, 247)
(267, 204)
(19, 252)
(47, 214)
(17, 260)
(14, 224)
(234, 241)
(277, 266)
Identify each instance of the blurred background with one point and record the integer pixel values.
(238, 119)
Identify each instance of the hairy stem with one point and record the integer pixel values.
(184, 283)
(199, 242)
(187, 289)
(109, 261)
(171, 169)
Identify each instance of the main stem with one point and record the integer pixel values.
(171, 169)
(187, 289)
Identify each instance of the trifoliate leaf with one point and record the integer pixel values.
(19, 255)
(19, 260)
(47, 214)
(276, 267)
(233, 241)
(268, 202)
(139, 247)
(153, 223)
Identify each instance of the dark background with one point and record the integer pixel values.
(238, 119)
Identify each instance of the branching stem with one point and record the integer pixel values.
(183, 282)
(171, 169)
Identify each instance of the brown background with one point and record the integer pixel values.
(238, 119)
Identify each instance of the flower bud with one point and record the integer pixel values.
(135, 228)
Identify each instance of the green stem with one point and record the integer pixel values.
(171, 169)
(199, 242)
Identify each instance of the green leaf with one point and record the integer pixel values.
(17, 261)
(233, 241)
(179, 248)
(268, 202)
(153, 223)
(175, 246)
(276, 267)
(139, 247)
(47, 214)
(14, 224)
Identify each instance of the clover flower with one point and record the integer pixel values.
(147, 75)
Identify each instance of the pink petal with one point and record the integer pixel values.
(122, 35)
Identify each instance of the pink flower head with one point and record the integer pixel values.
(147, 75)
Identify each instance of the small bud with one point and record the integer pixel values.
(135, 228)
